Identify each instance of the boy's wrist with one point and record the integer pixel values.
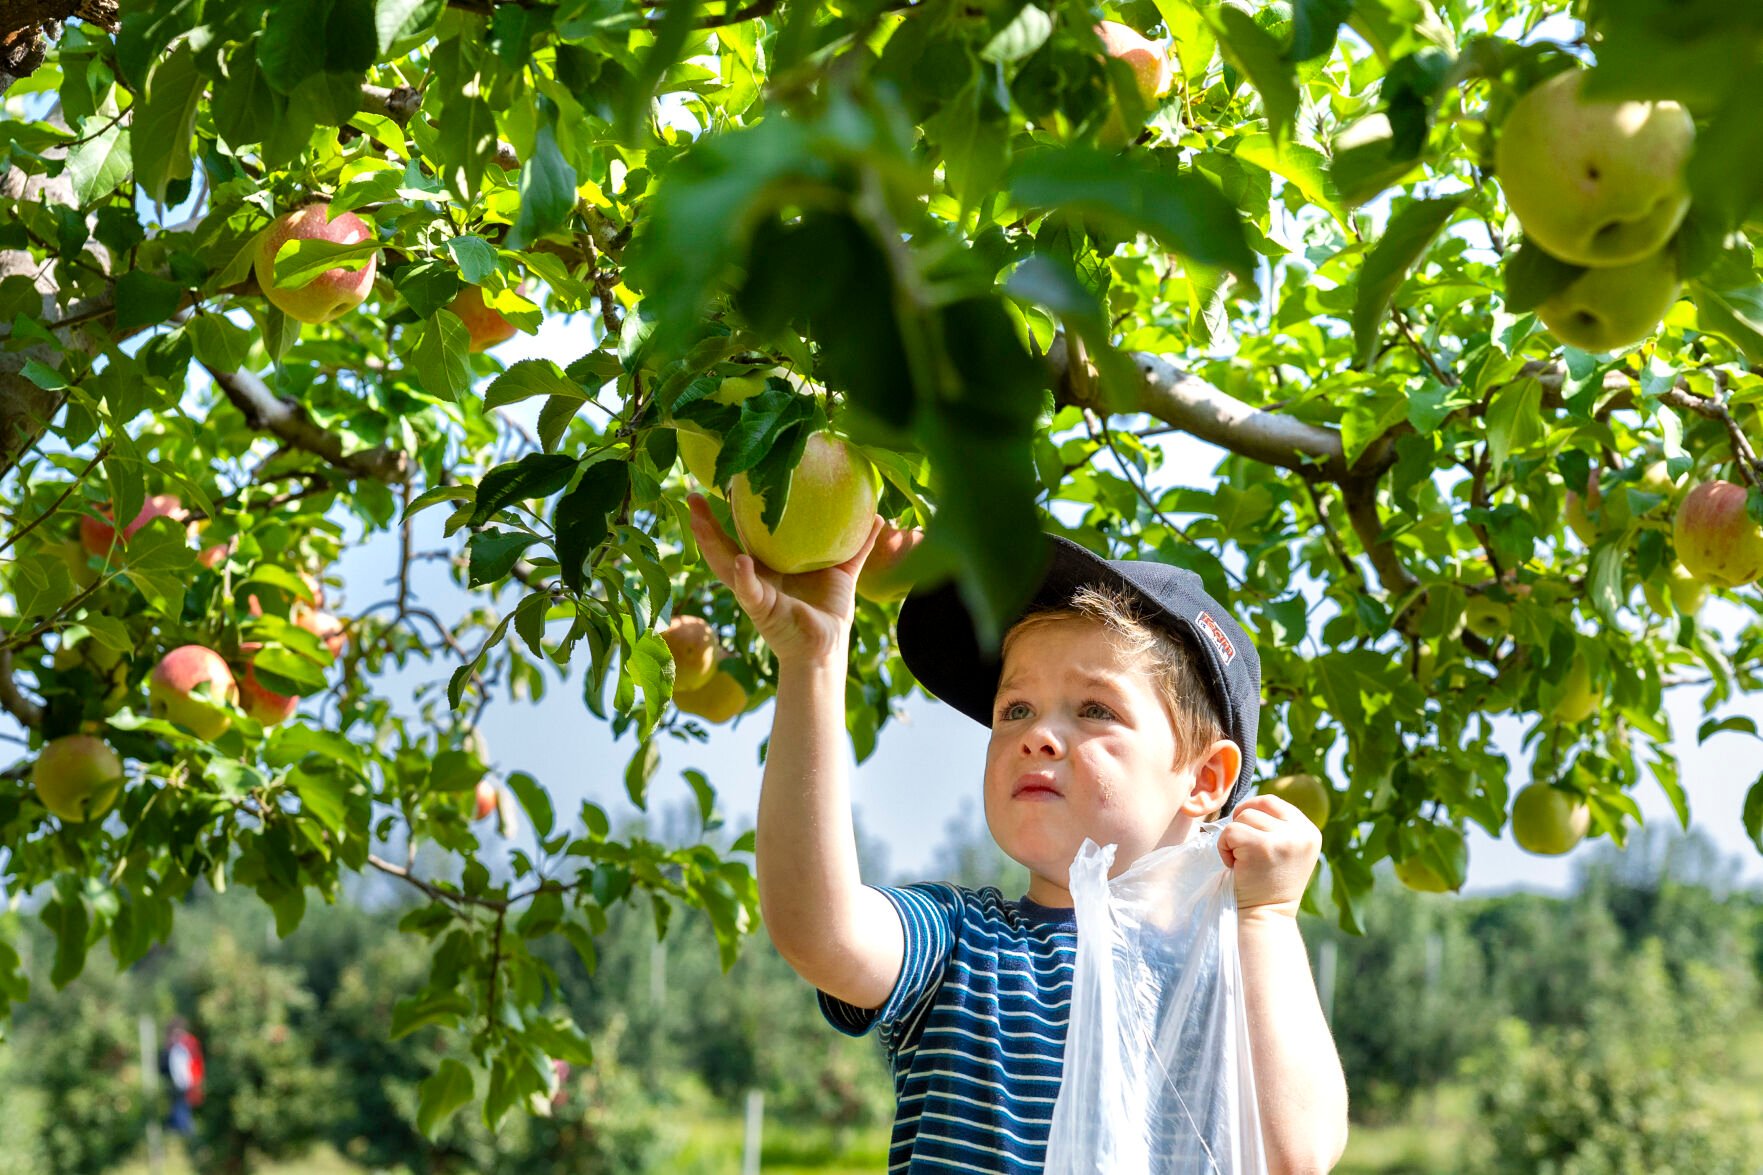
(1270, 915)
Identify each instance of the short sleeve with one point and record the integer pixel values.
(928, 915)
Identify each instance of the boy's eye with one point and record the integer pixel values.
(1008, 710)
(1098, 708)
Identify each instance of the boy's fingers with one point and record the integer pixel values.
(718, 551)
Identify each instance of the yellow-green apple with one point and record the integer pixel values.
(73, 553)
(699, 449)
(1307, 793)
(1150, 67)
(1685, 591)
(1487, 617)
(486, 326)
(1578, 509)
(1593, 182)
(484, 798)
(718, 700)
(335, 291)
(880, 578)
(830, 511)
(1547, 820)
(1579, 694)
(77, 777)
(1716, 540)
(1417, 875)
(172, 690)
(1609, 309)
(96, 534)
(693, 644)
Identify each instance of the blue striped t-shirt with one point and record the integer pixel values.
(974, 1029)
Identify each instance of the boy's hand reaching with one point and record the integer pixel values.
(802, 617)
(1272, 847)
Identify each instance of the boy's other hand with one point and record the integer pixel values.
(1272, 848)
(802, 617)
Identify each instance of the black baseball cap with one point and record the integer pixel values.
(940, 644)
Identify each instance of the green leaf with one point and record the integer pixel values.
(164, 122)
(443, 1093)
(1315, 24)
(554, 419)
(219, 342)
(528, 378)
(475, 257)
(1021, 37)
(465, 144)
(1305, 168)
(1261, 57)
(536, 475)
(324, 794)
(535, 801)
(70, 921)
(438, 351)
(98, 165)
(454, 770)
(494, 552)
(671, 33)
(1534, 276)
(582, 517)
(547, 191)
(1753, 814)
(298, 262)
(1411, 229)
(395, 21)
(705, 795)
(1514, 420)
(143, 299)
(1365, 160)
(317, 52)
(1182, 210)
(1735, 314)
(640, 770)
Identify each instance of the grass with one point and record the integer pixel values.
(320, 1160)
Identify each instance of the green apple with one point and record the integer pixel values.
(1609, 309)
(335, 291)
(828, 517)
(699, 449)
(1487, 617)
(1595, 183)
(1579, 695)
(77, 777)
(1685, 591)
(1417, 875)
(1547, 820)
(1716, 540)
(1307, 793)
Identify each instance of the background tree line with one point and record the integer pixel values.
(1587, 1031)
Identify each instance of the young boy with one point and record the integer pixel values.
(1123, 709)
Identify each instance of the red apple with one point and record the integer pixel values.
(321, 624)
(264, 705)
(1716, 539)
(97, 534)
(77, 777)
(879, 580)
(171, 690)
(333, 292)
(487, 326)
(487, 795)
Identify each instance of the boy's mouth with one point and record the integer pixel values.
(1034, 785)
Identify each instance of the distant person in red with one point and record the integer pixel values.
(182, 1064)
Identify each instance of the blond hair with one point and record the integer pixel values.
(1193, 715)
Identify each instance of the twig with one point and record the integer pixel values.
(1749, 467)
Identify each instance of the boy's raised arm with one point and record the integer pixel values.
(838, 935)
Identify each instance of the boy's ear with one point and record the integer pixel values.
(1213, 779)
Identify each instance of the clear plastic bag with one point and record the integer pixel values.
(1157, 1074)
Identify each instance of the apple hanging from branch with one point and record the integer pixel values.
(332, 293)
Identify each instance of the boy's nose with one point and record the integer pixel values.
(1042, 737)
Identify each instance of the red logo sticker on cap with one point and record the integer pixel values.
(1210, 627)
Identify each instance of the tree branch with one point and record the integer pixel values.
(16, 704)
(400, 105)
(284, 419)
(1189, 402)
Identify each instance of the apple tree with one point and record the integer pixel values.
(1462, 291)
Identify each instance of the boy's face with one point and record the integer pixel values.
(1082, 747)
